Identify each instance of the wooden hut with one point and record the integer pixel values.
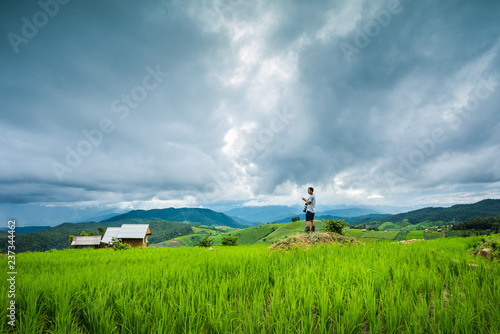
(86, 241)
(111, 232)
(136, 235)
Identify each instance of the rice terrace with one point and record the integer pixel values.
(250, 167)
(294, 283)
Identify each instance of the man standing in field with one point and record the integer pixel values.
(310, 205)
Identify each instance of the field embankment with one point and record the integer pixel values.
(423, 287)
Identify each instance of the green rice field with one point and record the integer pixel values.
(415, 235)
(431, 286)
(389, 235)
(354, 233)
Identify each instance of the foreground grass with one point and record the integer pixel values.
(426, 287)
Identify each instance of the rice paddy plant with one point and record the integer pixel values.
(30, 311)
(424, 287)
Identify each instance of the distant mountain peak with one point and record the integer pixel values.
(193, 215)
(458, 212)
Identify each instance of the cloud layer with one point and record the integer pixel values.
(180, 103)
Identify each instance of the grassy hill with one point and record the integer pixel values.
(249, 235)
(191, 215)
(389, 226)
(269, 233)
(246, 236)
(265, 233)
(191, 239)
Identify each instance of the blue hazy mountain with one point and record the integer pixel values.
(349, 212)
(41, 215)
(264, 214)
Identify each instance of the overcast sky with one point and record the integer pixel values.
(146, 104)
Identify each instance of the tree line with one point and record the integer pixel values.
(487, 223)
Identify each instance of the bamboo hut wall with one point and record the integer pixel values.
(136, 242)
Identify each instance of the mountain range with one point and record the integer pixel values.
(281, 214)
(263, 214)
(171, 222)
(457, 213)
(164, 223)
(191, 215)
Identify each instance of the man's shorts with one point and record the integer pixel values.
(309, 216)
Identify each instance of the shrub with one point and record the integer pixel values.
(335, 226)
(205, 242)
(118, 244)
(229, 241)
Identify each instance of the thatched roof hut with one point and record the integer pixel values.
(136, 235)
(86, 241)
(111, 232)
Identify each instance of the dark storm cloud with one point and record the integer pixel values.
(379, 109)
(65, 80)
(368, 99)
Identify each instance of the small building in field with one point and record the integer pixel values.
(86, 241)
(111, 232)
(135, 235)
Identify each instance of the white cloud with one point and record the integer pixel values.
(259, 104)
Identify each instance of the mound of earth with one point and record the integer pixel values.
(488, 248)
(306, 240)
(409, 241)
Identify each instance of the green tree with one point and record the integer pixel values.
(101, 230)
(86, 234)
(205, 242)
(335, 226)
(71, 238)
(229, 241)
